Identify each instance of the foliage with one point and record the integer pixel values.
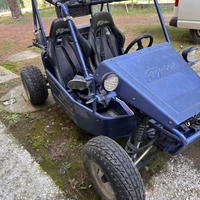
(3, 5)
(40, 3)
(23, 4)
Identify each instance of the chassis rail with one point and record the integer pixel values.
(178, 137)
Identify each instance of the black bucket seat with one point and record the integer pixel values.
(107, 40)
(62, 54)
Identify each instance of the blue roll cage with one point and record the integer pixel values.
(64, 13)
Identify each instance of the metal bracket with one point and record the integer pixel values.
(67, 18)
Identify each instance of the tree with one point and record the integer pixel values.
(14, 8)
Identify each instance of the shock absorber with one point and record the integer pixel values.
(138, 134)
(141, 128)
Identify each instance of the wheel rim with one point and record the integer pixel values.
(102, 181)
(26, 89)
(197, 33)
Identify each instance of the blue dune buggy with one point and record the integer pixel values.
(151, 94)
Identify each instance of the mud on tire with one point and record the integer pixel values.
(111, 171)
(34, 84)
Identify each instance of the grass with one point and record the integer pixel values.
(50, 13)
(5, 45)
(121, 10)
(10, 66)
(9, 20)
(177, 36)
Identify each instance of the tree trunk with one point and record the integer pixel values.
(14, 8)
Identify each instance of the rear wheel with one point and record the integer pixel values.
(111, 171)
(195, 35)
(34, 84)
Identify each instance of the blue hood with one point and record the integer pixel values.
(157, 81)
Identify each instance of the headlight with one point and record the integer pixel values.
(189, 54)
(110, 81)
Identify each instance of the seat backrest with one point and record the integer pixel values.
(106, 39)
(61, 52)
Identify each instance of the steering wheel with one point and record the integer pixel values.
(138, 40)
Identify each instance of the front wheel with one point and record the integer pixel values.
(111, 171)
(34, 84)
(195, 35)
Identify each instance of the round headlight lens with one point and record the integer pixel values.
(189, 54)
(110, 82)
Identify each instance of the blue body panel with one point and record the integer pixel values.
(85, 118)
(157, 81)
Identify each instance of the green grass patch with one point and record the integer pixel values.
(6, 20)
(10, 66)
(177, 36)
(5, 45)
(120, 10)
(48, 12)
(17, 66)
(9, 20)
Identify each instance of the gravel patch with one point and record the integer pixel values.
(180, 180)
(20, 176)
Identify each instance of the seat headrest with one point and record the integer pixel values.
(101, 19)
(58, 28)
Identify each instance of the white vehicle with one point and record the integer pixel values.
(187, 15)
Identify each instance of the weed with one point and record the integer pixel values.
(68, 165)
(73, 144)
(46, 145)
(13, 119)
(28, 114)
(74, 186)
(73, 183)
(40, 160)
(39, 117)
(81, 145)
(48, 131)
(33, 138)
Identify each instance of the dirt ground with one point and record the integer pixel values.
(49, 135)
(18, 36)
